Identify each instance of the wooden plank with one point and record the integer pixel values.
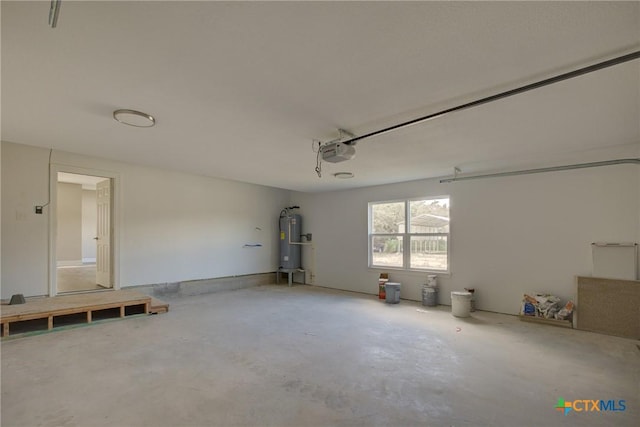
(158, 306)
(75, 310)
(609, 306)
(49, 308)
(71, 304)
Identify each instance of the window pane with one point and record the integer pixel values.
(387, 217)
(429, 216)
(386, 251)
(429, 252)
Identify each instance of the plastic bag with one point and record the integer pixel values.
(566, 311)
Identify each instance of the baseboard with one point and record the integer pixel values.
(88, 260)
(205, 286)
(72, 263)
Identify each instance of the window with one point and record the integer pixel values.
(410, 234)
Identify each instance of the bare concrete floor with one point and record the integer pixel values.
(279, 356)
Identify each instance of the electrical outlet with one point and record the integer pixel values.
(39, 210)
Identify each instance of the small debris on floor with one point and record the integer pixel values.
(458, 329)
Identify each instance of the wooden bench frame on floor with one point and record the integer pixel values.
(44, 308)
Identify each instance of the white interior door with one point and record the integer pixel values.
(103, 234)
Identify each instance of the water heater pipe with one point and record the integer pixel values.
(296, 243)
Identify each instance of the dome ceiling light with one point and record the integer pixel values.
(134, 118)
(343, 175)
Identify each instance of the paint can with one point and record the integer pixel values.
(384, 278)
(429, 296)
(430, 291)
(381, 290)
(392, 291)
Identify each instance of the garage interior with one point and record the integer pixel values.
(154, 148)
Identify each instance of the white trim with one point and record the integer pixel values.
(72, 263)
(409, 271)
(53, 219)
(88, 260)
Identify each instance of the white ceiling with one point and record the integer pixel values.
(241, 89)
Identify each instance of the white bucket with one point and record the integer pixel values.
(473, 298)
(461, 304)
(393, 292)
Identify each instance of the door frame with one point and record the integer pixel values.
(53, 221)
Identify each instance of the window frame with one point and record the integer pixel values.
(407, 235)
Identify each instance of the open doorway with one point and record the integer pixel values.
(83, 245)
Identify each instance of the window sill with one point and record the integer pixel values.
(410, 271)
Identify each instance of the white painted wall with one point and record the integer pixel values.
(89, 221)
(1, 216)
(174, 226)
(508, 235)
(69, 241)
(24, 234)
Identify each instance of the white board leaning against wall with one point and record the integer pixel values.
(615, 260)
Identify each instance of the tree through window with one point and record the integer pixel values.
(410, 234)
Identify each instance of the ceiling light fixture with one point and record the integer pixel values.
(134, 118)
(343, 175)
